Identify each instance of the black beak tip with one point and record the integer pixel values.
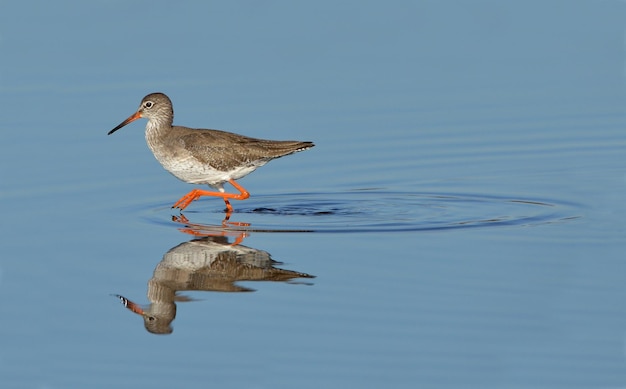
(113, 130)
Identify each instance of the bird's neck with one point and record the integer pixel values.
(156, 132)
(156, 127)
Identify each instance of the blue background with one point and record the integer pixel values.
(466, 192)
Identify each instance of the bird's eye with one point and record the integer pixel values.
(148, 104)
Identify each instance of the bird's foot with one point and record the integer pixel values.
(187, 199)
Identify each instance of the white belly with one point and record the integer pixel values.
(189, 169)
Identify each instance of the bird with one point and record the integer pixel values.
(205, 156)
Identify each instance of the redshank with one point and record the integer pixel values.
(201, 156)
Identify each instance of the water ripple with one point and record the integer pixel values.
(374, 210)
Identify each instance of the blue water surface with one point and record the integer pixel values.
(462, 212)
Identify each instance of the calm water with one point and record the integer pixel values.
(460, 222)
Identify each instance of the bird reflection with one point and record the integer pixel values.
(206, 264)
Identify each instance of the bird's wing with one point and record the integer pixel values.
(221, 149)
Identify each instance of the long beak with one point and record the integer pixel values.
(131, 118)
(131, 306)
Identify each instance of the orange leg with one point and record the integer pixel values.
(197, 193)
